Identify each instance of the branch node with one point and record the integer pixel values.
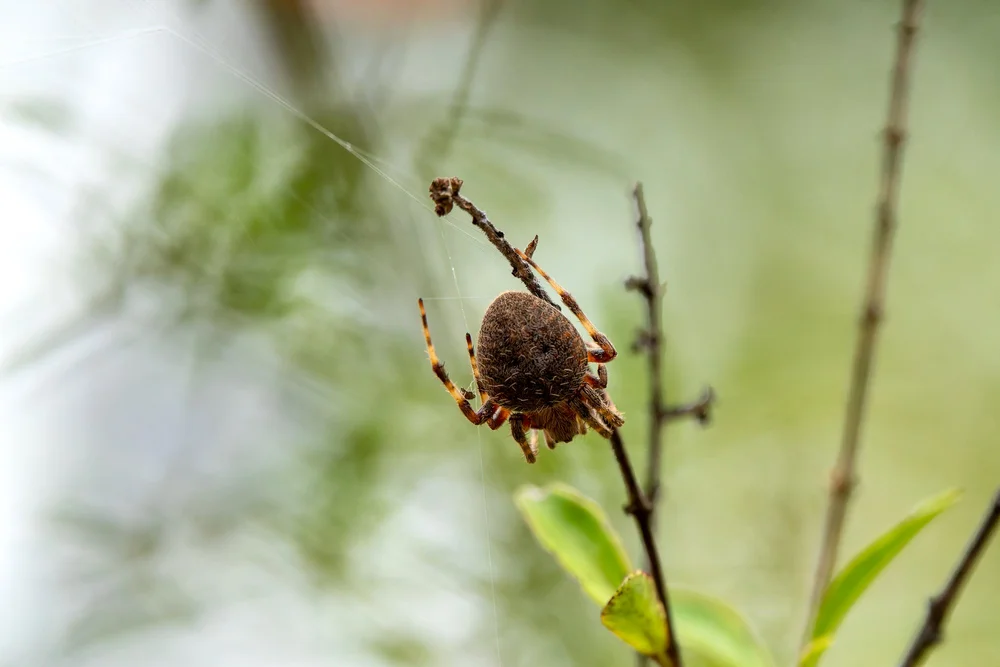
(842, 482)
(645, 340)
(872, 315)
(641, 285)
(895, 136)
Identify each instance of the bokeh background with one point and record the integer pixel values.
(222, 442)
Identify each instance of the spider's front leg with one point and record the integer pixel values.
(606, 351)
(489, 412)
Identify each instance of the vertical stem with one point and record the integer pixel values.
(652, 339)
(844, 473)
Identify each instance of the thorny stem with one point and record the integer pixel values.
(445, 193)
(642, 511)
(940, 605)
(843, 475)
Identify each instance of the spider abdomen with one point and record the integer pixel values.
(530, 355)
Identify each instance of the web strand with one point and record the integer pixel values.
(372, 162)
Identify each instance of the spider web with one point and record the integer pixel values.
(390, 173)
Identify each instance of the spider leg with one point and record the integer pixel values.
(588, 416)
(519, 423)
(548, 443)
(498, 418)
(609, 413)
(486, 411)
(601, 403)
(601, 380)
(475, 367)
(601, 400)
(607, 351)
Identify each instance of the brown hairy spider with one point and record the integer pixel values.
(532, 368)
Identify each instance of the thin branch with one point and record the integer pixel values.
(445, 193)
(642, 510)
(700, 409)
(650, 339)
(843, 479)
(940, 605)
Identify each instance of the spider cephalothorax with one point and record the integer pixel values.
(533, 369)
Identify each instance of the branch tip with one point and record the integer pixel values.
(444, 192)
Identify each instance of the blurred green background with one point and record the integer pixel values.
(224, 444)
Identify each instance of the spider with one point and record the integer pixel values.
(532, 369)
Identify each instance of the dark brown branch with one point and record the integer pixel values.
(940, 605)
(445, 194)
(843, 478)
(650, 339)
(642, 510)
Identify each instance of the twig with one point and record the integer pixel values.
(940, 605)
(445, 193)
(700, 409)
(843, 476)
(642, 510)
(650, 339)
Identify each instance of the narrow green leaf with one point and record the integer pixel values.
(855, 578)
(576, 531)
(635, 615)
(814, 649)
(711, 629)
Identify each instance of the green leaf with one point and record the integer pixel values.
(855, 578)
(576, 531)
(711, 629)
(635, 615)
